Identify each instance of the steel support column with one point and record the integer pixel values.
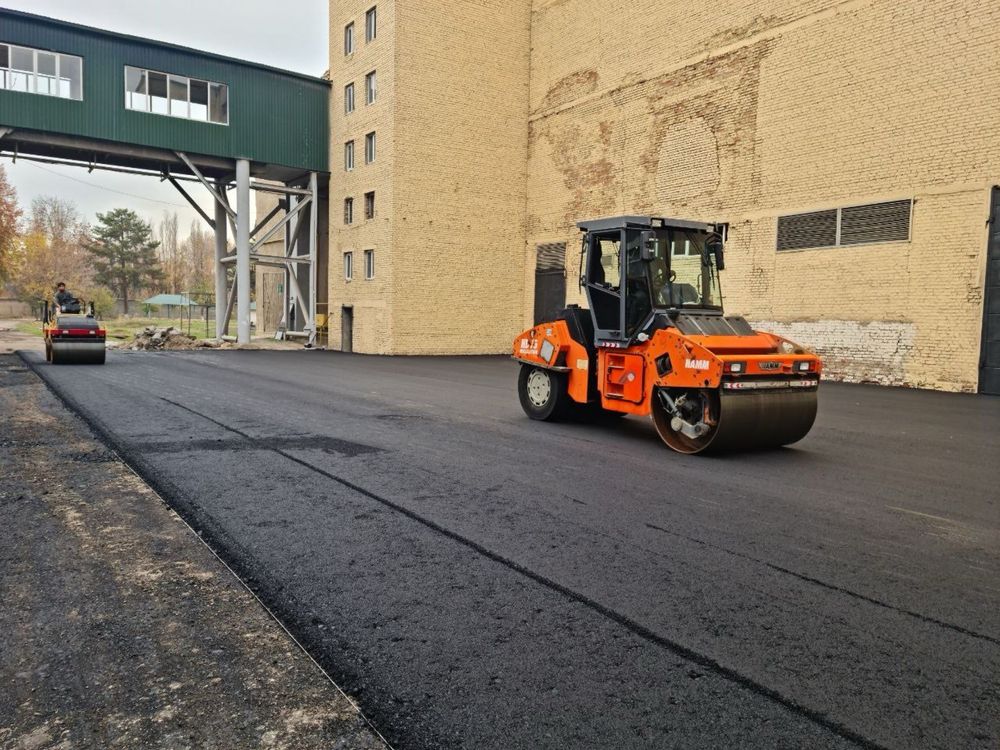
(313, 230)
(221, 244)
(243, 251)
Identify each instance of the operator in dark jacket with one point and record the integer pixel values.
(62, 296)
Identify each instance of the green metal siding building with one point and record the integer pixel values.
(276, 118)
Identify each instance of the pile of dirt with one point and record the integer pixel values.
(153, 337)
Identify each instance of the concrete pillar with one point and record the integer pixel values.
(221, 246)
(242, 251)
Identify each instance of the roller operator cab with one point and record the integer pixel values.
(73, 336)
(656, 341)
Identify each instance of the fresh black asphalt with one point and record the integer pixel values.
(478, 580)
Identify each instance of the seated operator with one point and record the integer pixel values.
(64, 300)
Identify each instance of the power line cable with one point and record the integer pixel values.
(102, 187)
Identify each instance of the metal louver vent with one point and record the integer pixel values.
(854, 225)
(551, 257)
(876, 222)
(816, 229)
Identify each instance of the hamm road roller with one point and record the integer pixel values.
(655, 341)
(72, 336)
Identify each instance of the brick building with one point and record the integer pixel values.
(851, 145)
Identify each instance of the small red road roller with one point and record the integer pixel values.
(73, 336)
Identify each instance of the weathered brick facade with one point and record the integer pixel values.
(503, 123)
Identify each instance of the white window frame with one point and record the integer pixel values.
(348, 210)
(349, 98)
(369, 264)
(187, 82)
(33, 76)
(370, 148)
(371, 24)
(348, 265)
(349, 156)
(349, 39)
(371, 90)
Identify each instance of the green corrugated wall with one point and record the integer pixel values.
(274, 117)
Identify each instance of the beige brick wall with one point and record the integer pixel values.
(502, 124)
(449, 176)
(371, 300)
(460, 171)
(746, 111)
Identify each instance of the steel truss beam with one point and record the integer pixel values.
(298, 202)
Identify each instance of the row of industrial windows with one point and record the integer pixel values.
(349, 265)
(371, 30)
(176, 96)
(35, 71)
(369, 208)
(851, 225)
(370, 93)
(369, 152)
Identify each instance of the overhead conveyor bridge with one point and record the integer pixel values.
(77, 95)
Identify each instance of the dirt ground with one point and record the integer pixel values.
(11, 339)
(120, 629)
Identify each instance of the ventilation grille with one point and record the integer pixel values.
(816, 229)
(878, 222)
(551, 257)
(854, 225)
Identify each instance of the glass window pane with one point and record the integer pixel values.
(349, 39)
(218, 107)
(4, 56)
(22, 59)
(45, 78)
(22, 63)
(135, 89)
(199, 100)
(370, 87)
(70, 77)
(157, 93)
(47, 64)
(178, 96)
(370, 25)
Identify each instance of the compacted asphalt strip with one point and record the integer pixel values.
(476, 579)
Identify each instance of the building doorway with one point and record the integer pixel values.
(347, 329)
(989, 356)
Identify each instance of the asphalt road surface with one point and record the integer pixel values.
(478, 580)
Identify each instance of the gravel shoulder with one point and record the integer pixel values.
(120, 628)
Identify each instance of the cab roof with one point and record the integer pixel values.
(642, 222)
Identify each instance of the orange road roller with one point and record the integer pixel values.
(72, 336)
(655, 341)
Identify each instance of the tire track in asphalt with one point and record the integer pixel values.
(637, 628)
(832, 586)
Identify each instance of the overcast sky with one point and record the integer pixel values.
(290, 35)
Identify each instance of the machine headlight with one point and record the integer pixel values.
(547, 350)
(736, 367)
(787, 347)
(803, 366)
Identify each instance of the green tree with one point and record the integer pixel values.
(10, 215)
(124, 253)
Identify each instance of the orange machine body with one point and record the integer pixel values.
(623, 379)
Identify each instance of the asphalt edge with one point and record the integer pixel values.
(163, 489)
